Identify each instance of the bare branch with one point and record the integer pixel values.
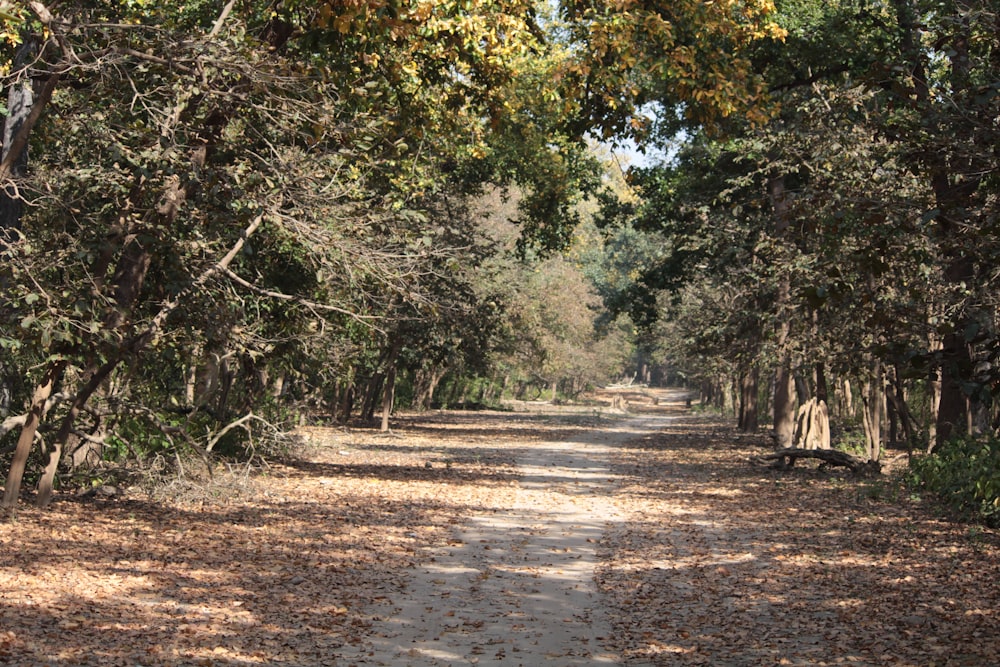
(222, 18)
(364, 319)
(229, 427)
(222, 265)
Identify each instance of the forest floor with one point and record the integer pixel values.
(544, 536)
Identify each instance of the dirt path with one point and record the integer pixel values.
(516, 584)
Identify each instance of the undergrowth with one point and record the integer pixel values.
(965, 476)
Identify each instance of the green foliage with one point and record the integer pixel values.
(852, 441)
(965, 475)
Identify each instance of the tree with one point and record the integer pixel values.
(945, 97)
(681, 55)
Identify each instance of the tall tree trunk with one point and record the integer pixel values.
(226, 375)
(893, 416)
(933, 402)
(20, 100)
(821, 391)
(954, 179)
(346, 406)
(897, 396)
(373, 390)
(872, 400)
(432, 384)
(24, 108)
(784, 401)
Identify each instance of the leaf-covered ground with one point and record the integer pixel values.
(724, 563)
(718, 562)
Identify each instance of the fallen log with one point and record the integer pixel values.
(786, 458)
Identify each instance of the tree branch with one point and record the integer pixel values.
(222, 18)
(222, 265)
(227, 428)
(295, 299)
(785, 458)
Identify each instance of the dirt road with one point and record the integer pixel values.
(516, 584)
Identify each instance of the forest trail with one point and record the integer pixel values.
(515, 586)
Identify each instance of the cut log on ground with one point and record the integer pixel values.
(786, 458)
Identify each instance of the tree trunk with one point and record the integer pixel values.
(278, 384)
(94, 382)
(819, 380)
(388, 395)
(20, 100)
(802, 391)
(954, 408)
(346, 406)
(749, 392)
(226, 376)
(897, 397)
(190, 383)
(784, 405)
(421, 383)
(373, 389)
(389, 391)
(893, 416)
(954, 178)
(872, 400)
(933, 402)
(43, 390)
(432, 386)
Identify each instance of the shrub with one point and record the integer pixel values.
(965, 475)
